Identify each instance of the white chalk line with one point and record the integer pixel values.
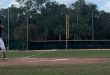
(39, 54)
(55, 60)
(45, 60)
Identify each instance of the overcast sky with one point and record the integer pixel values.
(102, 4)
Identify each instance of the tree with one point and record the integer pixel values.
(103, 26)
(47, 19)
(32, 4)
(53, 17)
(81, 14)
(20, 33)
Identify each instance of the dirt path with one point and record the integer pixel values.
(51, 61)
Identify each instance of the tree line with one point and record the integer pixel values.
(46, 20)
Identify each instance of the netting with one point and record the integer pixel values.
(82, 22)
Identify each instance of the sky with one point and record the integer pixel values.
(102, 4)
(6, 3)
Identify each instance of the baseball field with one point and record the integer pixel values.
(56, 62)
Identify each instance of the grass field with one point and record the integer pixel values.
(59, 69)
(57, 54)
(86, 69)
(71, 54)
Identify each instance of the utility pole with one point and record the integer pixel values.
(8, 28)
(92, 26)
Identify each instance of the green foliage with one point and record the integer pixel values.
(22, 30)
(48, 19)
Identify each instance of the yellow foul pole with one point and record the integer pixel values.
(67, 26)
(67, 30)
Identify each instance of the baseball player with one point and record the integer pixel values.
(2, 45)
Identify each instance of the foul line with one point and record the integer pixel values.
(39, 54)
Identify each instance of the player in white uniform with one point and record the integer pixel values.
(2, 45)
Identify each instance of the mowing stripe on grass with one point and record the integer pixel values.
(39, 54)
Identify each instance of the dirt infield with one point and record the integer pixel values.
(51, 61)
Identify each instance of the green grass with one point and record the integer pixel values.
(17, 54)
(79, 69)
(90, 53)
(61, 54)
(85, 69)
